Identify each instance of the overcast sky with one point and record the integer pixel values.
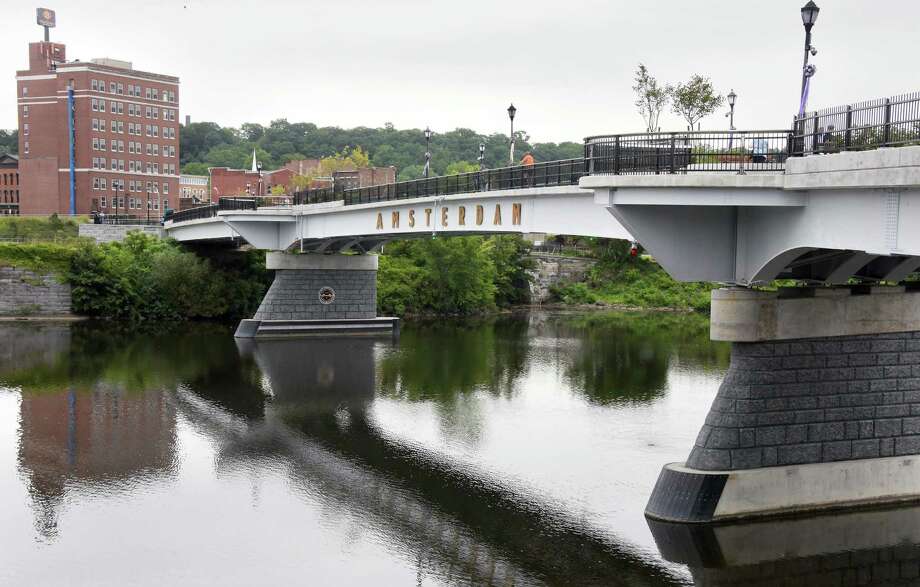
(567, 65)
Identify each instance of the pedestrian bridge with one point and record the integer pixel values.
(742, 207)
(821, 405)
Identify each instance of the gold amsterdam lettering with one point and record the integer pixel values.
(427, 216)
(411, 218)
(497, 221)
(379, 221)
(516, 214)
(461, 216)
(394, 219)
(480, 214)
(444, 216)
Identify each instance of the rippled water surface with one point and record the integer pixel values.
(511, 451)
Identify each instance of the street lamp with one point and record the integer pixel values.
(732, 96)
(259, 169)
(427, 151)
(511, 112)
(482, 156)
(809, 16)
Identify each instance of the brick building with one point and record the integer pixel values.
(125, 135)
(9, 184)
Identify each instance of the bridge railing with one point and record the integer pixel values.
(883, 122)
(688, 152)
(553, 173)
(199, 212)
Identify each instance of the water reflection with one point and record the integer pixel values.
(879, 547)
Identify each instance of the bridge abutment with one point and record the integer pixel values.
(316, 294)
(805, 423)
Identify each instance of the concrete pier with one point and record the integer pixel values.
(803, 424)
(316, 294)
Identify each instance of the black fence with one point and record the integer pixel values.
(317, 196)
(883, 122)
(553, 173)
(208, 211)
(686, 152)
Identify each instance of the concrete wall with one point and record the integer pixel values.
(814, 401)
(552, 269)
(294, 295)
(104, 233)
(26, 293)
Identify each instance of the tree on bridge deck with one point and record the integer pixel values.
(695, 99)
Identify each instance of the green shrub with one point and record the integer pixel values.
(147, 278)
(572, 293)
(38, 257)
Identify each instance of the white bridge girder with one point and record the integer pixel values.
(334, 226)
(841, 215)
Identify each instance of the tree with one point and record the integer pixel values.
(695, 99)
(195, 169)
(459, 167)
(651, 98)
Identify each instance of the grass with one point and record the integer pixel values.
(37, 256)
(639, 283)
(52, 228)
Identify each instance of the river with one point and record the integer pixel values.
(517, 450)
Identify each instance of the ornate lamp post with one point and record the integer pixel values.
(511, 112)
(427, 151)
(732, 96)
(259, 169)
(809, 16)
(482, 156)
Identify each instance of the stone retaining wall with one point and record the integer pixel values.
(27, 293)
(295, 295)
(104, 233)
(552, 269)
(814, 401)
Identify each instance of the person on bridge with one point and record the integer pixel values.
(527, 161)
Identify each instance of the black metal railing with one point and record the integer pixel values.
(686, 152)
(553, 173)
(208, 211)
(317, 196)
(883, 122)
(239, 203)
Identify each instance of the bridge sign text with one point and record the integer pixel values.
(459, 215)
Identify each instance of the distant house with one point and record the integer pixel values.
(9, 184)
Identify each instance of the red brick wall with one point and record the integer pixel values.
(47, 135)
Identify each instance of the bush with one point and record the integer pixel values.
(146, 278)
(33, 229)
(572, 293)
(38, 257)
(455, 275)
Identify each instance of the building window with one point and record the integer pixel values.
(101, 105)
(94, 85)
(102, 202)
(95, 104)
(25, 129)
(102, 183)
(114, 109)
(26, 147)
(25, 111)
(121, 127)
(156, 131)
(114, 126)
(25, 90)
(121, 89)
(111, 87)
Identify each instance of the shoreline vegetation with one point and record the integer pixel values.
(144, 278)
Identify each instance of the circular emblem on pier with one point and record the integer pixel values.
(326, 295)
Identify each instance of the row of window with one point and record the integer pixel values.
(188, 193)
(132, 90)
(118, 126)
(9, 178)
(10, 196)
(133, 203)
(135, 148)
(134, 166)
(115, 107)
(134, 186)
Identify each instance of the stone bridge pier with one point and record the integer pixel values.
(317, 294)
(820, 408)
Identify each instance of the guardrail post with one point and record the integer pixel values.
(887, 121)
(616, 156)
(673, 154)
(814, 133)
(589, 158)
(847, 136)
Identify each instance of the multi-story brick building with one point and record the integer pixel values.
(125, 138)
(9, 184)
